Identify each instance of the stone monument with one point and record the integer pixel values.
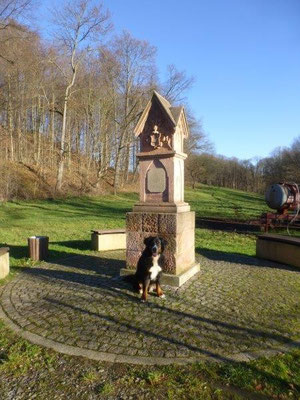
(161, 210)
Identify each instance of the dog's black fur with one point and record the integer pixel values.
(150, 265)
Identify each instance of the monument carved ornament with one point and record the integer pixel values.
(158, 139)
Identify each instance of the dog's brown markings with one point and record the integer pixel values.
(145, 290)
(140, 287)
(158, 290)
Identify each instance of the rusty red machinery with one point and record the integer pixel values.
(285, 199)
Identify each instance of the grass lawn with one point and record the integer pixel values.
(68, 222)
(28, 371)
(215, 202)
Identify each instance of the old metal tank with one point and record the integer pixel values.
(283, 196)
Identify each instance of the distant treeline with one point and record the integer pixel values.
(283, 165)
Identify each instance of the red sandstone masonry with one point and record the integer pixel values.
(176, 228)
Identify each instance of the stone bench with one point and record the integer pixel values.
(282, 249)
(4, 262)
(113, 239)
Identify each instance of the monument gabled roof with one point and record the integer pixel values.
(176, 111)
(166, 105)
(174, 114)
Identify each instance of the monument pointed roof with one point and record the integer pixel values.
(176, 111)
(174, 114)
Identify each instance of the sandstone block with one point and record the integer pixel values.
(185, 259)
(185, 221)
(185, 240)
(172, 244)
(170, 263)
(134, 240)
(167, 223)
(133, 222)
(132, 258)
(150, 222)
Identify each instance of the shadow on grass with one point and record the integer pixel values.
(239, 258)
(75, 244)
(75, 209)
(226, 225)
(21, 253)
(17, 252)
(106, 266)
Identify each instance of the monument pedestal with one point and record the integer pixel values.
(179, 231)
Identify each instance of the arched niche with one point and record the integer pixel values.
(157, 188)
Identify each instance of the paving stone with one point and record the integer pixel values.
(239, 306)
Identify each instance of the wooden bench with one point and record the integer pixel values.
(113, 239)
(282, 249)
(4, 262)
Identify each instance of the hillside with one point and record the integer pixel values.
(223, 203)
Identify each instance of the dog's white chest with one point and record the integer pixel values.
(155, 269)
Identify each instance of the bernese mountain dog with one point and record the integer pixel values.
(149, 267)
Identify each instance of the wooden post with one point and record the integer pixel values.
(38, 247)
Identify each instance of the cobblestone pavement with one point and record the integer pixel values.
(233, 308)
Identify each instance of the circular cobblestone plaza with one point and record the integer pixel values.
(237, 308)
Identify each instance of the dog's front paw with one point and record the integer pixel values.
(163, 296)
(143, 301)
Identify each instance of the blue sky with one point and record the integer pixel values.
(244, 55)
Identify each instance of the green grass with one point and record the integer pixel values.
(68, 224)
(215, 202)
(218, 242)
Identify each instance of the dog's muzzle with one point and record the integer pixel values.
(154, 251)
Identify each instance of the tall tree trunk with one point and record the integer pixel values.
(52, 130)
(61, 159)
(38, 128)
(10, 119)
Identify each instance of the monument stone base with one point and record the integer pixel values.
(168, 279)
(179, 231)
(161, 207)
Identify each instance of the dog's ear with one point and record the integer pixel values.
(164, 243)
(147, 240)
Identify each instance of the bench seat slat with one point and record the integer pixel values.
(4, 250)
(281, 239)
(109, 231)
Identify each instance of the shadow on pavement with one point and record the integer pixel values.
(238, 258)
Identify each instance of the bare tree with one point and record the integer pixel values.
(198, 141)
(12, 10)
(78, 24)
(136, 60)
(176, 84)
